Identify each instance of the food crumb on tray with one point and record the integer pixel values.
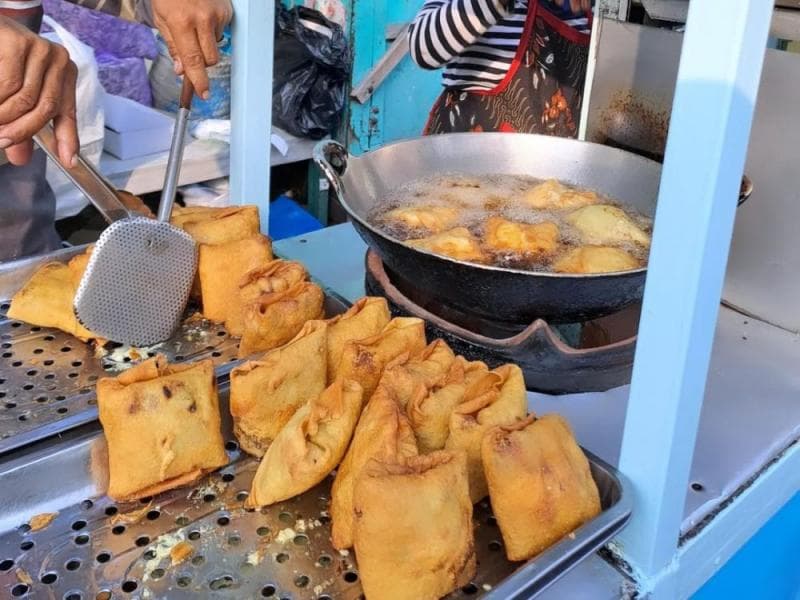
(162, 548)
(285, 535)
(24, 577)
(42, 521)
(180, 552)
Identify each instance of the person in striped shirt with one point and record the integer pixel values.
(37, 85)
(509, 65)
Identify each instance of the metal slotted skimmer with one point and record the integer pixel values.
(201, 542)
(47, 377)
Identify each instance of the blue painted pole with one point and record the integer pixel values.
(251, 104)
(718, 80)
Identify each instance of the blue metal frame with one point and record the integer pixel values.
(251, 104)
(712, 114)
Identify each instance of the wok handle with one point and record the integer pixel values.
(332, 157)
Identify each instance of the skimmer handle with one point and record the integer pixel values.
(176, 152)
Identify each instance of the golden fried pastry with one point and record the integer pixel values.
(494, 398)
(162, 426)
(404, 375)
(554, 195)
(539, 482)
(465, 192)
(430, 219)
(413, 527)
(604, 225)
(212, 225)
(135, 204)
(521, 238)
(310, 446)
(595, 259)
(274, 277)
(46, 300)
(457, 243)
(364, 360)
(266, 393)
(78, 264)
(383, 433)
(366, 318)
(275, 319)
(430, 414)
(221, 267)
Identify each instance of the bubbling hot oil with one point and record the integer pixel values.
(477, 198)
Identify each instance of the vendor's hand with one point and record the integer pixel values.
(191, 29)
(37, 85)
(576, 6)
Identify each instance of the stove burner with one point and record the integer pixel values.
(581, 357)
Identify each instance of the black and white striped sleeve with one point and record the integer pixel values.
(443, 29)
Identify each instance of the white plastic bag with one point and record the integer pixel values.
(91, 119)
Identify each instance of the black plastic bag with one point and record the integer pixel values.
(312, 72)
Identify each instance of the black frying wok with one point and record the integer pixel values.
(499, 293)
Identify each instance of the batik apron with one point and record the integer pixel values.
(541, 93)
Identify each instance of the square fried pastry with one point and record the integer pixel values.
(364, 360)
(46, 298)
(604, 225)
(383, 433)
(554, 195)
(430, 413)
(423, 219)
(274, 277)
(540, 484)
(222, 267)
(495, 398)
(504, 236)
(458, 244)
(267, 392)
(309, 447)
(276, 318)
(162, 426)
(406, 374)
(413, 527)
(596, 259)
(366, 318)
(217, 225)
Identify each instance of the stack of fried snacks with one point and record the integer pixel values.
(540, 484)
(266, 393)
(413, 527)
(162, 426)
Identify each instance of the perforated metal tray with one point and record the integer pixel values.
(47, 377)
(95, 549)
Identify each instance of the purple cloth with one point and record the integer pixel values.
(125, 77)
(103, 32)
